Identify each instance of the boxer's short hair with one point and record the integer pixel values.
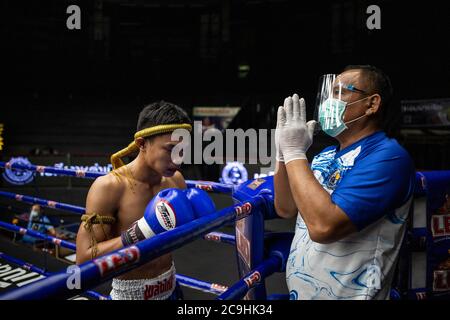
(161, 112)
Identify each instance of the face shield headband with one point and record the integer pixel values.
(331, 102)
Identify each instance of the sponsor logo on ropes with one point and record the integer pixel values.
(204, 187)
(243, 210)
(421, 295)
(441, 280)
(18, 176)
(40, 169)
(441, 276)
(80, 170)
(234, 173)
(27, 266)
(440, 225)
(80, 173)
(51, 204)
(242, 243)
(219, 287)
(212, 237)
(253, 279)
(117, 260)
(12, 276)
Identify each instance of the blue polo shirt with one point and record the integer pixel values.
(39, 224)
(372, 181)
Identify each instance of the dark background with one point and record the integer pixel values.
(190, 50)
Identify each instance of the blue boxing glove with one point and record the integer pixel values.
(170, 208)
(201, 203)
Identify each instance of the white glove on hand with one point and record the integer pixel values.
(295, 134)
(279, 155)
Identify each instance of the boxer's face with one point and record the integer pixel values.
(158, 155)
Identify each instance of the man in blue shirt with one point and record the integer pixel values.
(352, 202)
(39, 223)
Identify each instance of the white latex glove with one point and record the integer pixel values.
(279, 155)
(296, 135)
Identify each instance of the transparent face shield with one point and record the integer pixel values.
(333, 94)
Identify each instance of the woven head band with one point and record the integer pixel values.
(116, 158)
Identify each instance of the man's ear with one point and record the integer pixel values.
(374, 106)
(140, 142)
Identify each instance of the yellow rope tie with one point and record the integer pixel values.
(128, 175)
(116, 158)
(89, 221)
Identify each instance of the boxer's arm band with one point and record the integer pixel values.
(89, 221)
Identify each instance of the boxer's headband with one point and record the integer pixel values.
(116, 158)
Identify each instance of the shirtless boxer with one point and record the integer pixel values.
(124, 194)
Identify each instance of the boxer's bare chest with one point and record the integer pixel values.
(131, 207)
(135, 199)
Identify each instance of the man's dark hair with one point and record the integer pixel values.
(161, 112)
(379, 82)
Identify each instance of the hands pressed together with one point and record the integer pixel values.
(293, 135)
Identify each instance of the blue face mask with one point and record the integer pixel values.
(331, 112)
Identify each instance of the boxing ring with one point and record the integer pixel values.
(259, 254)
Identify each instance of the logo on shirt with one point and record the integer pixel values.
(334, 179)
